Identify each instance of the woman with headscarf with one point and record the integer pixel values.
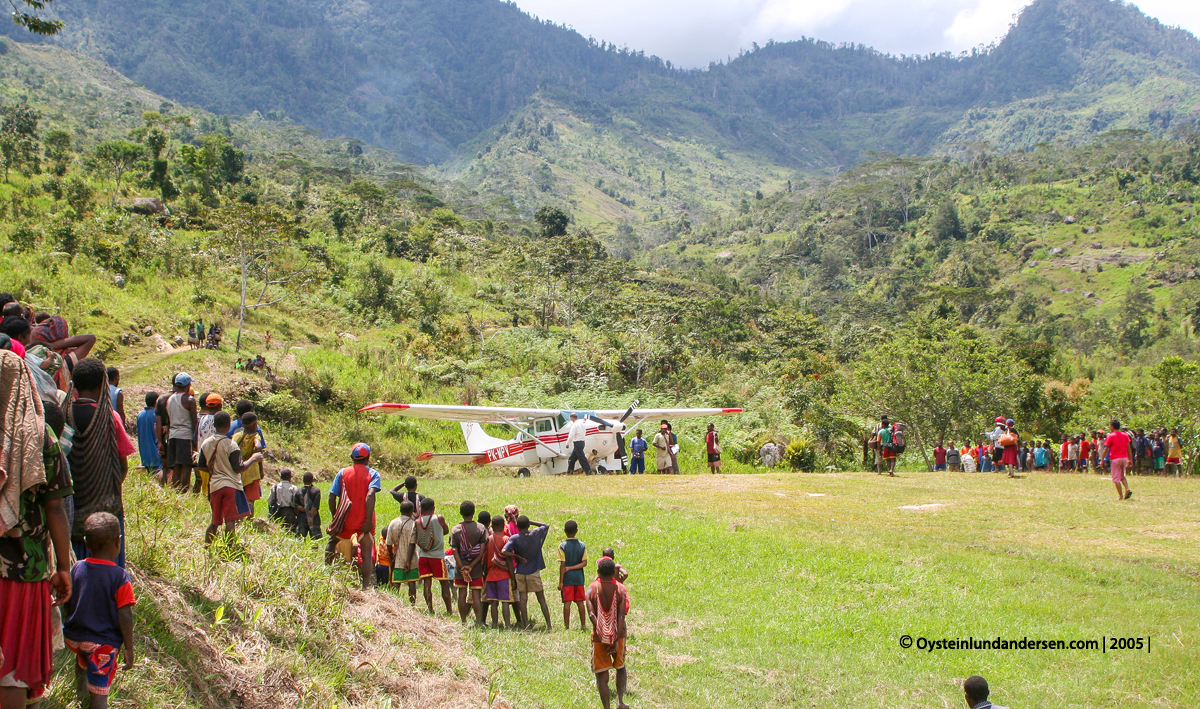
(511, 513)
(1011, 441)
(32, 517)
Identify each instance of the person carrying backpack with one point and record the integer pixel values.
(284, 503)
(887, 443)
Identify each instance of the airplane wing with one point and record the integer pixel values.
(668, 414)
(466, 414)
(459, 458)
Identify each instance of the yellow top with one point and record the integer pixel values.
(246, 445)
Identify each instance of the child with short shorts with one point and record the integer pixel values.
(383, 561)
(402, 549)
(498, 582)
(98, 620)
(572, 558)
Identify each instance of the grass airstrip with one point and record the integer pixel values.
(795, 590)
(770, 590)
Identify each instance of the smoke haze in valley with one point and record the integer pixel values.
(691, 33)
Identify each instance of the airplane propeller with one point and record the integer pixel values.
(618, 428)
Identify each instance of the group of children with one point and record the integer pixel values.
(1159, 451)
(493, 563)
(180, 432)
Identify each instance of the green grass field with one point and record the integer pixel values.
(793, 590)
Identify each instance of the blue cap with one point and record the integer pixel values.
(183, 379)
(360, 451)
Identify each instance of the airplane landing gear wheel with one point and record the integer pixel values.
(523, 473)
(602, 470)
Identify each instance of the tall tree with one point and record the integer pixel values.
(213, 165)
(18, 137)
(261, 243)
(1136, 312)
(1177, 385)
(116, 157)
(552, 220)
(938, 383)
(58, 150)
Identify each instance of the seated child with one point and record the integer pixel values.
(621, 574)
(98, 619)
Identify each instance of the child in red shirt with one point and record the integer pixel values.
(498, 582)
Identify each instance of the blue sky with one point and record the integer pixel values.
(692, 33)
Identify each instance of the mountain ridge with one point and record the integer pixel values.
(436, 83)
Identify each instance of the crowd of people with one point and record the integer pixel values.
(209, 339)
(666, 450)
(1121, 451)
(492, 563)
(1158, 451)
(62, 549)
(252, 364)
(62, 541)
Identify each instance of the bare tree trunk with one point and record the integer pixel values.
(921, 443)
(242, 306)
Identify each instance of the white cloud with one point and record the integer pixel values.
(983, 23)
(693, 32)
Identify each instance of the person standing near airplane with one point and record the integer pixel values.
(576, 440)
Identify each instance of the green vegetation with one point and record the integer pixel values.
(1069, 271)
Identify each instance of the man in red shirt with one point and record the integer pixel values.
(1117, 444)
(1085, 451)
(939, 457)
(358, 485)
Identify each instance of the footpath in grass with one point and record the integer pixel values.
(795, 590)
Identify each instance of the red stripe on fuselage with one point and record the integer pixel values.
(517, 447)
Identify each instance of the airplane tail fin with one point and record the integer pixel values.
(477, 439)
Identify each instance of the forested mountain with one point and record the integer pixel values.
(429, 80)
(413, 76)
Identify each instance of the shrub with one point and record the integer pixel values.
(801, 455)
(25, 239)
(285, 409)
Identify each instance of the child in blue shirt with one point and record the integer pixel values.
(572, 558)
(637, 451)
(147, 441)
(98, 620)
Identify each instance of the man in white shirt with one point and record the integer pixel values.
(576, 439)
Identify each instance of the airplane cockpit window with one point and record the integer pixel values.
(562, 421)
(545, 425)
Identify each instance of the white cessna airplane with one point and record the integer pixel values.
(541, 439)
